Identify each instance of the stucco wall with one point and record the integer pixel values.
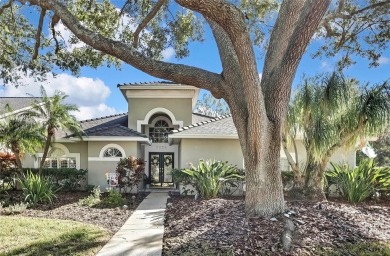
(341, 155)
(138, 108)
(98, 167)
(192, 150)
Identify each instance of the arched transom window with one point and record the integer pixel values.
(159, 132)
(112, 152)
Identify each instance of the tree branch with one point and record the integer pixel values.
(146, 20)
(54, 21)
(7, 5)
(39, 33)
(178, 73)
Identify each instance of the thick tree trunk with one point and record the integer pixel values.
(264, 195)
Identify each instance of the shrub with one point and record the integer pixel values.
(14, 209)
(130, 172)
(37, 189)
(361, 182)
(92, 199)
(210, 176)
(114, 199)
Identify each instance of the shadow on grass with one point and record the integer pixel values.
(362, 248)
(77, 242)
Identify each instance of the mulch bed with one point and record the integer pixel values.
(66, 207)
(219, 226)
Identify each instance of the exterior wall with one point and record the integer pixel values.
(340, 156)
(138, 108)
(98, 167)
(192, 150)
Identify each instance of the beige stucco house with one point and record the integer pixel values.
(159, 127)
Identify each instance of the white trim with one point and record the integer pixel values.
(105, 159)
(111, 145)
(66, 151)
(18, 111)
(155, 111)
(202, 136)
(103, 138)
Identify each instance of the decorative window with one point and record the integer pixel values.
(61, 162)
(112, 152)
(159, 133)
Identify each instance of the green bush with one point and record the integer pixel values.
(114, 199)
(210, 176)
(14, 209)
(92, 199)
(37, 189)
(361, 182)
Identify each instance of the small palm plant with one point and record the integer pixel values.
(210, 176)
(37, 189)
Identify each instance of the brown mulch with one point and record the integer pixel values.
(219, 226)
(66, 207)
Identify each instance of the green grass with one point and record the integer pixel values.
(34, 236)
(361, 249)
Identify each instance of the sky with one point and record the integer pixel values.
(95, 90)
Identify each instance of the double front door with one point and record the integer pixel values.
(160, 168)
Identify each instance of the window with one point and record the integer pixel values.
(159, 133)
(112, 152)
(61, 162)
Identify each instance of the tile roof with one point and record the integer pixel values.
(16, 103)
(113, 125)
(217, 126)
(197, 118)
(115, 130)
(154, 83)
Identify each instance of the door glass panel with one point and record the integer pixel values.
(155, 167)
(168, 166)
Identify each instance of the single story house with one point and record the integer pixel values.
(160, 127)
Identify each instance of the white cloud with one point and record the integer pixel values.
(260, 76)
(66, 34)
(88, 112)
(325, 66)
(168, 53)
(383, 60)
(87, 93)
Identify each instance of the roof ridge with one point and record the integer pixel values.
(201, 123)
(203, 115)
(103, 117)
(145, 83)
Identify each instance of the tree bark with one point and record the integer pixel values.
(50, 133)
(16, 150)
(314, 179)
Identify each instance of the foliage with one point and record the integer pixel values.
(381, 147)
(334, 112)
(16, 208)
(56, 116)
(37, 189)
(114, 199)
(92, 199)
(130, 172)
(210, 176)
(8, 171)
(20, 135)
(38, 236)
(361, 182)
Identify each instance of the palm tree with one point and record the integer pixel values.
(56, 115)
(331, 114)
(20, 135)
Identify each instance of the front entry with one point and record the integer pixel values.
(160, 168)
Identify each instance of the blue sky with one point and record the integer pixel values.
(96, 92)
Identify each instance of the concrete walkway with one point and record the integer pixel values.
(142, 234)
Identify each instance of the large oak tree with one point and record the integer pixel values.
(258, 107)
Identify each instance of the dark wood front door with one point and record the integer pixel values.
(160, 168)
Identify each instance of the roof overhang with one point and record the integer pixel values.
(104, 138)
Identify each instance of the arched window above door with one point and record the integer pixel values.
(158, 132)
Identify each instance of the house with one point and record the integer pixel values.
(161, 128)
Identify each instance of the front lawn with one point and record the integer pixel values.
(36, 236)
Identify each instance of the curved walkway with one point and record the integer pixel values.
(142, 234)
